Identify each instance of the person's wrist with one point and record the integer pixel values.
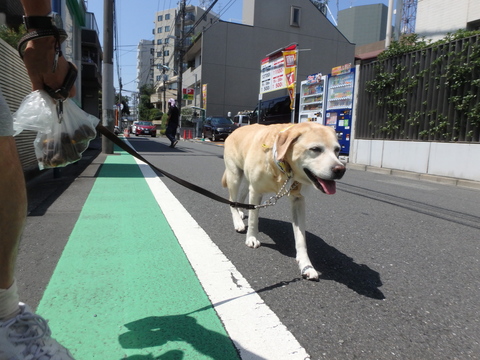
(46, 43)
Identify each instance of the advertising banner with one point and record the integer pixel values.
(290, 60)
(278, 70)
(204, 96)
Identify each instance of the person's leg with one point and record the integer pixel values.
(13, 209)
(13, 201)
(170, 134)
(23, 334)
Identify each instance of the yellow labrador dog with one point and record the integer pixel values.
(281, 159)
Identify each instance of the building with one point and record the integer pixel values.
(436, 18)
(167, 33)
(145, 51)
(225, 57)
(11, 12)
(365, 24)
(91, 70)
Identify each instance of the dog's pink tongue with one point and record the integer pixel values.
(329, 186)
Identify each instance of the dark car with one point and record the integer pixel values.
(217, 127)
(276, 111)
(144, 128)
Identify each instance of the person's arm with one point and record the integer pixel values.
(40, 53)
(37, 7)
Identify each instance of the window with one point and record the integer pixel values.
(160, 18)
(473, 25)
(159, 30)
(159, 53)
(167, 29)
(295, 16)
(159, 77)
(167, 16)
(166, 41)
(159, 41)
(166, 52)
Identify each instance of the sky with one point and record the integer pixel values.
(136, 22)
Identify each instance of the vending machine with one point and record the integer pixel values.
(312, 99)
(339, 104)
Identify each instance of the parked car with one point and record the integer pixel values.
(144, 128)
(241, 119)
(276, 111)
(217, 127)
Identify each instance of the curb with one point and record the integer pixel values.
(469, 184)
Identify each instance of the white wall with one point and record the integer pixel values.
(461, 161)
(436, 18)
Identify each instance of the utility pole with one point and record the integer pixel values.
(108, 92)
(163, 78)
(180, 47)
(388, 37)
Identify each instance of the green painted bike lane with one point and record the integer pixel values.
(123, 287)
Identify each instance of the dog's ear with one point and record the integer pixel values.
(285, 138)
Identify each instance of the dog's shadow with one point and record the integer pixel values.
(328, 261)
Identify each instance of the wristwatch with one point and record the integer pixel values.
(52, 20)
(43, 26)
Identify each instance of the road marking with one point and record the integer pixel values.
(123, 287)
(253, 327)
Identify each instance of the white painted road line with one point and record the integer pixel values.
(254, 328)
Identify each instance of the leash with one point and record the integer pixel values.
(113, 138)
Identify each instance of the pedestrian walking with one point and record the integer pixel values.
(24, 334)
(172, 122)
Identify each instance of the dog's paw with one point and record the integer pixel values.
(310, 273)
(242, 214)
(239, 226)
(252, 242)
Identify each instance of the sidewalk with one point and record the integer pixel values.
(124, 287)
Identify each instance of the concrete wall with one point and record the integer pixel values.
(364, 24)
(232, 53)
(459, 161)
(436, 18)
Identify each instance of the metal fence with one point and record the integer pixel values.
(431, 94)
(15, 86)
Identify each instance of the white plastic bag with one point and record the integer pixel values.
(62, 137)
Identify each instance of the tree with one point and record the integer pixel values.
(11, 36)
(144, 105)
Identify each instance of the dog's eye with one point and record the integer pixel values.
(317, 149)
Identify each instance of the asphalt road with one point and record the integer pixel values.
(399, 259)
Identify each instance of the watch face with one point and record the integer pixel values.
(57, 20)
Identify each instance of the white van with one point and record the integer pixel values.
(241, 120)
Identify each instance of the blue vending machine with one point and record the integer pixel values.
(339, 108)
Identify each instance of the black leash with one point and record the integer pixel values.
(112, 137)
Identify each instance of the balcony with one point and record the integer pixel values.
(189, 18)
(91, 74)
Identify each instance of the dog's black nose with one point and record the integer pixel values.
(338, 171)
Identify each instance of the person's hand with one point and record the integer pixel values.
(38, 58)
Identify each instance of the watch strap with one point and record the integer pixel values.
(38, 22)
(59, 34)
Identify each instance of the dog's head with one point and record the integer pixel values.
(311, 150)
